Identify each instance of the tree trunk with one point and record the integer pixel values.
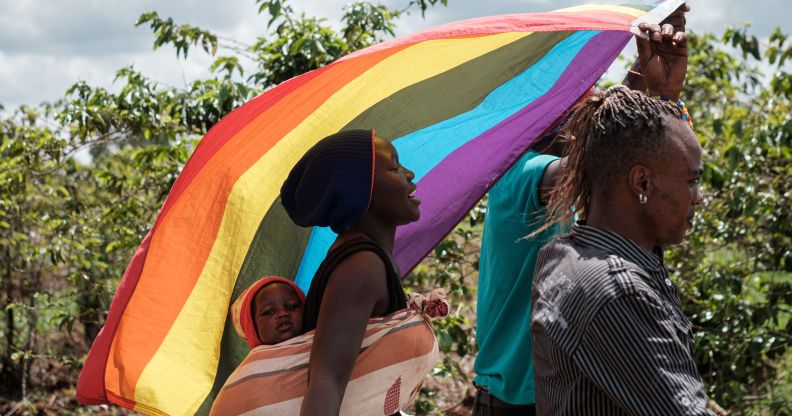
(32, 320)
(10, 376)
(90, 316)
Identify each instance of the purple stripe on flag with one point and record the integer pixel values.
(489, 155)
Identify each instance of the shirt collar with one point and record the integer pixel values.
(617, 244)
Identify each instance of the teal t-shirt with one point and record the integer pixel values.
(504, 363)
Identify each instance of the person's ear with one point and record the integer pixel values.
(641, 182)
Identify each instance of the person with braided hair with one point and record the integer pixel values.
(609, 333)
(516, 207)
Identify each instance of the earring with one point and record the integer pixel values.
(642, 198)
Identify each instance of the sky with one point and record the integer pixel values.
(46, 46)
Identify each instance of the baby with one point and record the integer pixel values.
(269, 312)
(400, 350)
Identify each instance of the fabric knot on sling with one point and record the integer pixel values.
(435, 305)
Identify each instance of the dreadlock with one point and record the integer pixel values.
(607, 134)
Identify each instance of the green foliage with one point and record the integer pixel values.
(425, 4)
(366, 23)
(229, 64)
(735, 269)
(28, 152)
(304, 44)
(299, 44)
(180, 36)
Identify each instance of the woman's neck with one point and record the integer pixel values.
(620, 219)
(384, 236)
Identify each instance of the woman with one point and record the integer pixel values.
(609, 333)
(352, 182)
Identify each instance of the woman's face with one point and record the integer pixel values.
(393, 198)
(277, 313)
(676, 196)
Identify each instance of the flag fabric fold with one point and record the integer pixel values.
(460, 102)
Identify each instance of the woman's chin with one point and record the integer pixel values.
(416, 214)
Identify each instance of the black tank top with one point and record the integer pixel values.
(396, 297)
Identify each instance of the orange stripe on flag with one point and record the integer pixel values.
(163, 287)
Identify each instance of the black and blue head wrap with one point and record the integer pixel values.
(331, 184)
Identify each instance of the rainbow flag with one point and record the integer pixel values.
(460, 102)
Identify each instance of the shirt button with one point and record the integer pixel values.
(685, 401)
(668, 282)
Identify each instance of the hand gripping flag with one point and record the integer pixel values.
(460, 102)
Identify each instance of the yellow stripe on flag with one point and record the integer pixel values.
(197, 331)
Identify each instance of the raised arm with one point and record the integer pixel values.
(356, 289)
(548, 181)
(659, 71)
(662, 58)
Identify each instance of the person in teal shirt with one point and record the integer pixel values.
(516, 208)
(504, 364)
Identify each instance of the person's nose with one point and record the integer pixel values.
(410, 174)
(698, 199)
(282, 313)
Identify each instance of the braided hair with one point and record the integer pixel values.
(607, 134)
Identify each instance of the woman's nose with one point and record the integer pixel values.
(698, 199)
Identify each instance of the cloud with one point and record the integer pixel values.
(56, 29)
(714, 15)
(35, 78)
(47, 46)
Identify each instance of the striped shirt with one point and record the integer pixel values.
(609, 334)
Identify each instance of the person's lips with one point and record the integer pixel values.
(284, 326)
(414, 198)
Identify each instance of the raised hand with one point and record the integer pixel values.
(662, 57)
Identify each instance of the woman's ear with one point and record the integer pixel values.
(640, 180)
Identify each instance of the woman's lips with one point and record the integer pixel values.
(414, 198)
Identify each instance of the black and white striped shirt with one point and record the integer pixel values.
(609, 335)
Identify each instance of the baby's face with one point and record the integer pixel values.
(277, 313)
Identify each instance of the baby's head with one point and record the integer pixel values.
(277, 313)
(269, 312)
